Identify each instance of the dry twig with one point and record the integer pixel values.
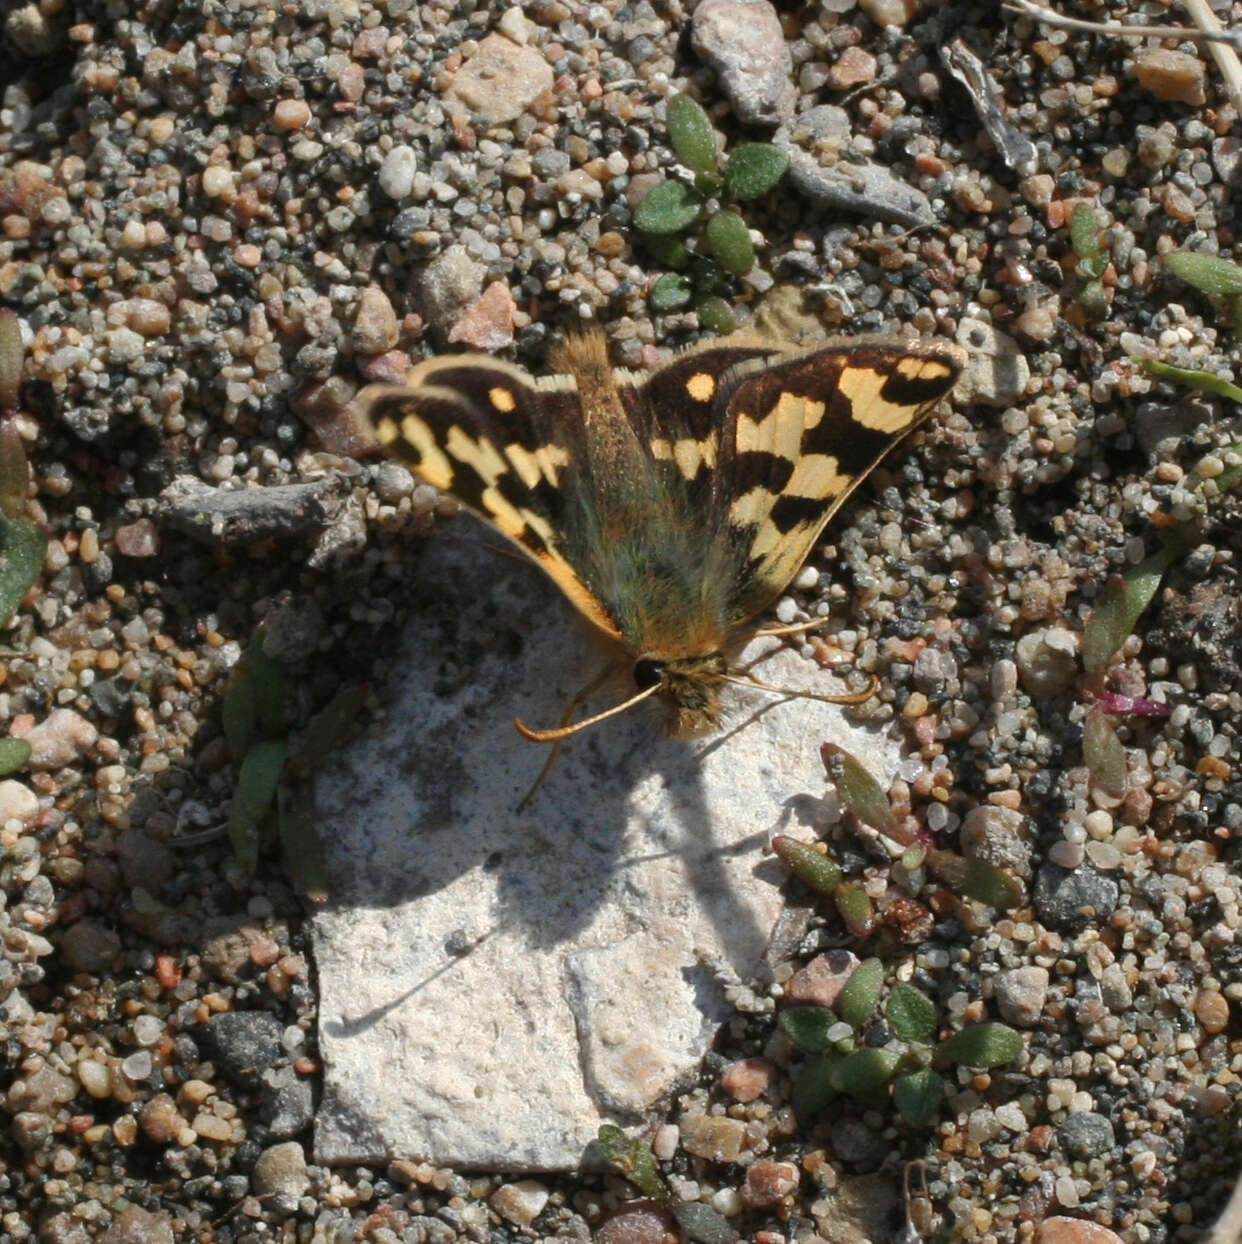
(1200, 33)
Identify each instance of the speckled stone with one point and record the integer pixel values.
(1086, 1135)
(1068, 900)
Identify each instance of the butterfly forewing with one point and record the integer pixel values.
(802, 432)
(505, 445)
(678, 411)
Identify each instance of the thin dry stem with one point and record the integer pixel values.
(1200, 33)
(1225, 55)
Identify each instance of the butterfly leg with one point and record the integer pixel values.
(798, 628)
(571, 708)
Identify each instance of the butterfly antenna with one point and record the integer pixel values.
(563, 732)
(853, 697)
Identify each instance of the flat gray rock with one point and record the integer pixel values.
(494, 985)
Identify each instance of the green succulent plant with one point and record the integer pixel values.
(722, 246)
(842, 1060)
(271, 764)
(22, 542)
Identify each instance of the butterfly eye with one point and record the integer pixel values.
(648, 673)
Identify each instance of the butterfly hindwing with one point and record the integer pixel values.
(802, 432)
(504, 444)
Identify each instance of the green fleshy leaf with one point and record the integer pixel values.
(1103, 753)
(729, 240)
(815, 868)
(1210, 273)
(753, 169)
(22, 547)
(691, 134)
(239, 716)
(853, 904)
(1106, 629)
(257, 779)
(668, 250)
(1231, 476)
(917, 1095)
(706, 275)
(14, 473)
(715, 314)
(632, 1159)
(301, 851)
(861, 793)
(807, 1026)
(811, 1087)
(327, 729)
(910, 1013)
(699, 1222)
(709, 185)
(976, 878)
(14, 753)
(12, 359)
(1085, 238)
(1205, 381)
(668, 207)
(1093, 298)
(1143, 581)
(867, 1073)
(981, 1045)
(670, 293)
(269, 687)
(857, 999)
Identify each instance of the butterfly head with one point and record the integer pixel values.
(690, 686)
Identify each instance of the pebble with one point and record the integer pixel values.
(375, 324)
(61, 738)
(743, 42)
(1067, 900)
(280, 1171)
(643, 1223)
(1047, 661)
(502, 79)
(396, 173)
(449, 284)
(1086, 1135)
(17, 801)
(748, 1079)
(1002, 837)
(1212, 1011)
(520, 1203)
(161, 1122)
(140, 538)
(135, 1225)
(769, 1183)
(488, 324)
(246, 1044)
(1061, 1230)
(716, 1138)
(1021, 994)
(1169, 75)
(89, 946)
(997, 372)
(822, 979)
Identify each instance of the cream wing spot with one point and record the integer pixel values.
(862, 386)
(701, 386)
(502, 399)
(433, 464)
(690, 455)
(817, 476)
(481, 455)
(750, 507)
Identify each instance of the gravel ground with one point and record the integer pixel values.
(218, 219)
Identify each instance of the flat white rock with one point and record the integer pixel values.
(494, 985)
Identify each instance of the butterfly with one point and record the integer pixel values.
(670, 507)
